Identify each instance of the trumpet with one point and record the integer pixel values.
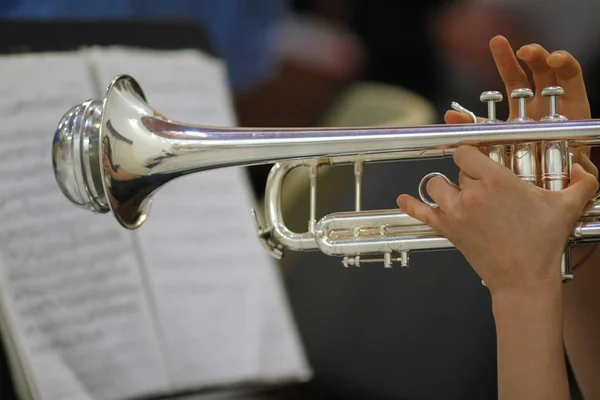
(112, 155)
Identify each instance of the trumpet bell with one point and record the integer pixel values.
(92, 149)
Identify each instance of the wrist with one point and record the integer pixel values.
(523, 281)
(541, 300)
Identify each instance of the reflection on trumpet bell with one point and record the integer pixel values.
(113, 155)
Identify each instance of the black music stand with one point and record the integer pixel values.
(28, 36)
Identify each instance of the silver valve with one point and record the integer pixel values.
(522, 95)
(553, 92)
(491, 97)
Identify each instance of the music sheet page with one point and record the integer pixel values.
(220, 302)
(70, 280)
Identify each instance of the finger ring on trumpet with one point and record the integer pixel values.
(423, 187)
(461, 109)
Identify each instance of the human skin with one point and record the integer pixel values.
(513, 234)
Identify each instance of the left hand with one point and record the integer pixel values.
(549, 69)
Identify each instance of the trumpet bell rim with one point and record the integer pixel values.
(133, 213)
(82, 154)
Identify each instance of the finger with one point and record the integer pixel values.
(474, 163)
(570, 76)
(534, 56)
(464, 180)
(582, 158)
(585, 150)
(510, 71)
(455, 117)
(417, 209)
(582, 188)
(441, 192)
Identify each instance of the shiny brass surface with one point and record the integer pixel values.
(112, 155)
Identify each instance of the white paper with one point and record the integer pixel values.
(70, 278)
(221, 305)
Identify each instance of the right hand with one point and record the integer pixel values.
(548, 69)
(511, 232)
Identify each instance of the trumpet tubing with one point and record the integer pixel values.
(113, 155)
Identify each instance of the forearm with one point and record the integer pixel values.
(582, 325)
(531, 362)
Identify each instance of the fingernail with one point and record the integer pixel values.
(401, 202)
(558, 54)
(522, 53)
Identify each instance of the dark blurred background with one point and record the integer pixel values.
(418, 333)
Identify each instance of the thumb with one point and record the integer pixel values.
(455, 117)
(583, 186)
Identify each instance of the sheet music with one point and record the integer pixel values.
(69, 278)
(20, 373)
(222, 309)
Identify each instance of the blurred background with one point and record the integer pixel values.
(423, 332)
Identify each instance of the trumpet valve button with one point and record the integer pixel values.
(553, 93)
(522, 95)
(491, 97)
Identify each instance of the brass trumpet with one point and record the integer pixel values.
(113, 154)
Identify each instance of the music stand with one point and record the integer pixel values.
(36, 36)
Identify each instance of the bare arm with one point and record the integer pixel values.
(582, 325)
(501, 226)
(531, 361)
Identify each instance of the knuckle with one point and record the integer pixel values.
(472, 199)
(460, 153)
(458, 216)
(495, 182)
